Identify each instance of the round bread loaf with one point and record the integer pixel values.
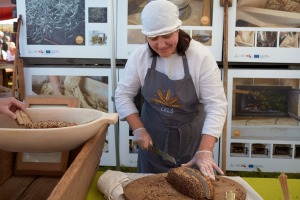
(156, 186)
(191, 183)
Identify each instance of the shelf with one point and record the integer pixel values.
(267, 138)
(264, 121)
(272, 128)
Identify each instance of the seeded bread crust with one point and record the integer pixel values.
(191, 183)
(22, 118)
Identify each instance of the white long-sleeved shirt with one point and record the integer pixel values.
(3, 55)
(10, 57)
(203, 69)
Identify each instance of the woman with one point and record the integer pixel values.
(3, 54)
(184, 102)
(11, 51)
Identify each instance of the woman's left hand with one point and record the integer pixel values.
(205, 161)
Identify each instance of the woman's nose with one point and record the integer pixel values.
(161, 42)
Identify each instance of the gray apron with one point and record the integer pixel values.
(173, 117)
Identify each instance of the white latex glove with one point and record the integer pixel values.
(205, 161)
(142, 138)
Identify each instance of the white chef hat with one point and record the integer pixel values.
(160, 17)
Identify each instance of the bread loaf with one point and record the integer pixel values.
(191, 183)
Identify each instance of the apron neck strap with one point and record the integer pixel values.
(153, 64)
(185, 65)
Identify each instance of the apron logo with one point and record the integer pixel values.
(166, 101)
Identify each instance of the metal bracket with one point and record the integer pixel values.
(228, 1)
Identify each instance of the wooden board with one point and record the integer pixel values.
(18, 83)
(44, 100)
(6, 165)
(76, 181)
(15, 186)
(41, 188)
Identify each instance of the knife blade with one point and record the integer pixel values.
(164, 155)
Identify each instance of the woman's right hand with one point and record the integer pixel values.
(142, 138)
(9, 105)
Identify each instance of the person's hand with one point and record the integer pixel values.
(8, 106)
(142, 138)
(205, 161)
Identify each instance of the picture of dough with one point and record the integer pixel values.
(268, 13)
(289, 39)
(244, 38)
(203, 36)
(92, 92)
(55, 22)
(190, 12)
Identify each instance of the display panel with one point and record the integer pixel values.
(128, 150)
(65, 29)
(90, 85)
(202, 19)
(264, 31)
(263, 131)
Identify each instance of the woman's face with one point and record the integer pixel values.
(164, 45)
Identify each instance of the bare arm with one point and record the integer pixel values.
(134, 121)
(207, 143)
(55, 82)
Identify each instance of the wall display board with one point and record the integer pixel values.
(129, 151)
(263, 130)
(65, 29)
(89, 85)
(202, 19)
(264, 31)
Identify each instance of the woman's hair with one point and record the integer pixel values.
(183, 43)
(11, 46)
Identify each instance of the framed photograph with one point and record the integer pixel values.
(49, 29)
(92, 86)
(264, 31)
(202, 20)
(263, 120)
(40, 163)
(50, 164)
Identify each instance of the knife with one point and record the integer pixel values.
(164, 155)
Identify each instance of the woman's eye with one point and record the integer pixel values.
(167, 36)
(152, 38)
